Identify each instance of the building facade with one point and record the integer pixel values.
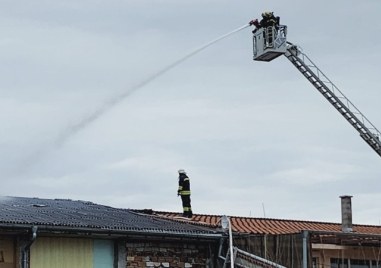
(56, 233)
(303, 244)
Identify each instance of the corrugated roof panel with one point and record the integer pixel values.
(84, 214)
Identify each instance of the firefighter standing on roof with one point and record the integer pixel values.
(184, 192)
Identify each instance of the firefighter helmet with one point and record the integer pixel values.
(181, 171)
(267, 14)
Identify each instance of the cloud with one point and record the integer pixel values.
(252, 135)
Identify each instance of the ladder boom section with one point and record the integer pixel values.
(339, 101)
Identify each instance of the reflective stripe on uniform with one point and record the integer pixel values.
(185, 192)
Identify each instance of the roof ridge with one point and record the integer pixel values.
(49, 199)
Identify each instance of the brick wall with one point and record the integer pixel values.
(166, 254)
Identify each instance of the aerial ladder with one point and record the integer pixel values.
(271, 42)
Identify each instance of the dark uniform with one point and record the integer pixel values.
(184, 192)
(269, 20)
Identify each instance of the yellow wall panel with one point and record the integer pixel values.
(61, 253)
(6, 253)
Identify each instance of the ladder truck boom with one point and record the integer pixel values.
(271, 42)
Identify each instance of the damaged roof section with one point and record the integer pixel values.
(66, 214)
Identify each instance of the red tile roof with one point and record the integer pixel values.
(271, 226)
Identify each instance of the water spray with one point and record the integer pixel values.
(28, 162)
(65, 135)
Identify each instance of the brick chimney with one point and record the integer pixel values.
(346, 213)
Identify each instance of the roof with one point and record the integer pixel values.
(66, 214)
(250, 225)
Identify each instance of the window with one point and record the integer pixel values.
(360, 264)
(339, 263)
(376, 264)
(354, 263)
(315, 262)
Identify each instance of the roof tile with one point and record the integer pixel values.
(275, 226)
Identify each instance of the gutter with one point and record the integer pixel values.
(26, 249)
(120, 232)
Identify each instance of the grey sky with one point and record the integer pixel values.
(251, 135)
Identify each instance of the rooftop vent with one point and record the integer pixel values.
(39, 205)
